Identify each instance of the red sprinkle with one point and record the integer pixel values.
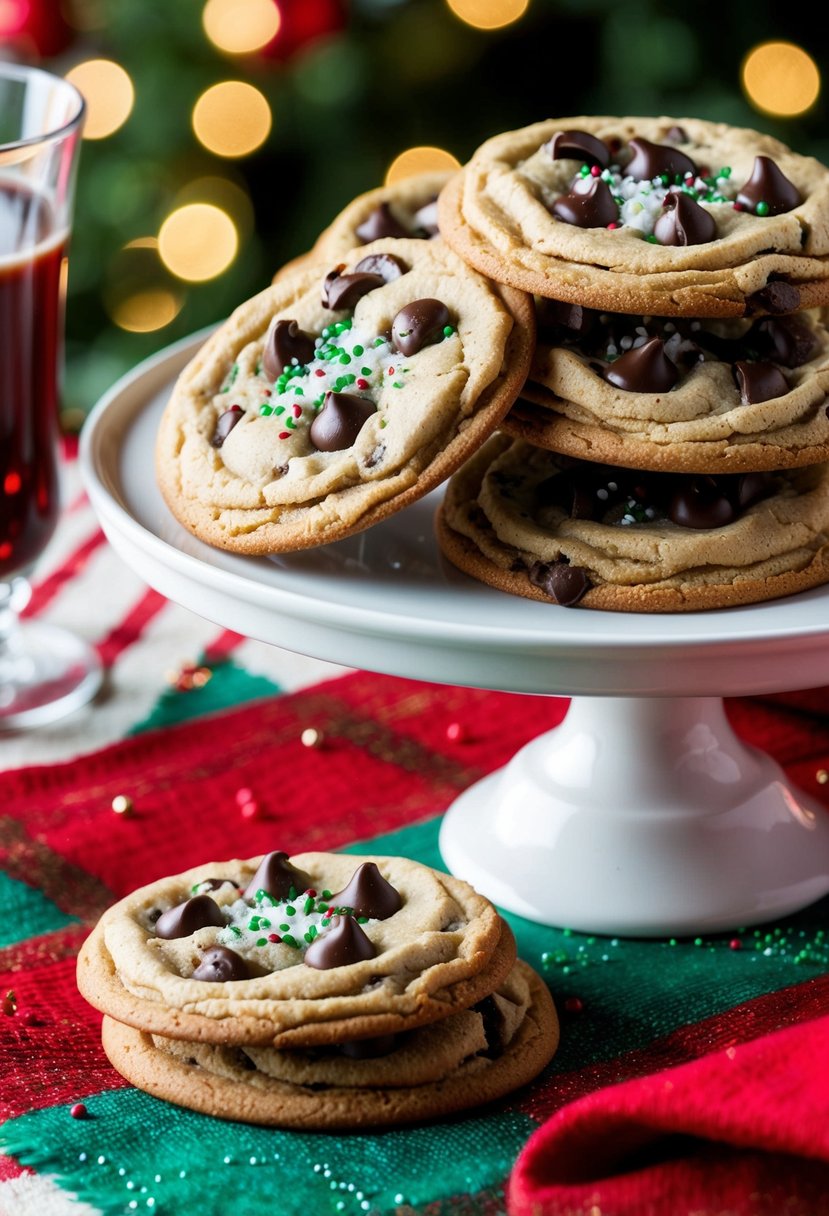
(391, 371)
(284, 434)
(739, 207)
(612, 226)
(595, 171)
(362, 383)
(78, 1111)
(735, 944)
(266, 392)
(296, 410)
(310, 891)
(455, 732)
(274, 937)
(574, 1004)
(319, 372)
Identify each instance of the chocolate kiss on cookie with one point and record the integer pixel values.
(590, 208)
(578, 145)
(340, 421)
(419, 324)
(220, 964)
(342, 944)
(700, 503)
(368, 893)
(768, 191)
(652, 160)
(563, 583)
(759, 382)
(187, 918)
(684, 222)
(341, 291)
(285, 341)
(277, 876)
(386, 265)
(380, 223)
(426, 218)
(786, 340)
(644, 369)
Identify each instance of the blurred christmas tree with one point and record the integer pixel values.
(224, 134)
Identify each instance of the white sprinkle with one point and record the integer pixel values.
(101, 1160)
(626, 343)
(611, 485)
(602, 494)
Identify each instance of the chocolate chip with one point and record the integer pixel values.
(368, 893)
(698, 502)
(386, 265)
(563, 583)
(186, 918)
(341, 291)
(578, 145)
(221, 964)
(677, 135)
(759, 382)
(590, 208)
(419, 324)
(215, 884)
(225, 424)
(749, 488)
(787, 340)
(565, 490)
(573, 318)
(426, 219)
(369, 1049)
(768, 191)
(643, 369)
(340, 421)
(343, 943)
(284, 342)
(652, 160)
(684, 222)
(777, 296)
(277, 876)
(380, 223)
(376, 456)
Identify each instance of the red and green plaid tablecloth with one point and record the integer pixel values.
(387, 769)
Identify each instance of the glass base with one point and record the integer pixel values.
(45, 673)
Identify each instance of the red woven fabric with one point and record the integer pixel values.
(745, 1129)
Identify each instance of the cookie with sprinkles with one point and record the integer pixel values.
(652, 215)
(340, 395)
(471, 1057)
(678, 394)
(283, 951)
(575, 533)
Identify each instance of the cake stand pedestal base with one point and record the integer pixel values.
(644, 817)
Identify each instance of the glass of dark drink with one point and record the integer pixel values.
(44, 671)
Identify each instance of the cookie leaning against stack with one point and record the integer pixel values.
(712, 389)
(317, 991)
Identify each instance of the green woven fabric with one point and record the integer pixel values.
(228, 686)
(33, 912)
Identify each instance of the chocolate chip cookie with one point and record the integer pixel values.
(646, 215)
(569, 532)
(339, 395)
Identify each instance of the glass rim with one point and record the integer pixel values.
(22, 72)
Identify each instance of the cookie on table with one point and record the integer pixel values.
(569, 532)
(471, 1057)
(340, 395)
(678, 394)
(649, 215)
(309, 950)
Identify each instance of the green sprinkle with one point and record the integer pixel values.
(762, 208)
(284, 928)
(651, 239)
(265, 410)
(261, 941)
(584, 171)
(326, 895)
(448, 330)
(311, 934)
(195, 888)
(289, 911)
(253, 924)
(264, 923)
(349, 378)
(357, 350)
(344, 357)
(234, 930)
(366, 371)
(362, 920)
(396, 384)
(725, 171)
(326, 333)
(384, 422)
(309, 905)
(379, 341)
(292, 892)
(299, 392)
(290, 424)
(290, 941)
(322, 907)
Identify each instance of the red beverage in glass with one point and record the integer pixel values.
(31, 327)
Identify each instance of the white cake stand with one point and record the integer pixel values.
(641, 814)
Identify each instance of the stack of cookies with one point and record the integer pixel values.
(669, 448)
(319, 991)
(663, 447)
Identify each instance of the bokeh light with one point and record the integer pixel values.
(232, 119)
(240, 26)
(198, 241)
(488, 14)
(146, 311)
(780, 78)
(420, 160)
(108, 93)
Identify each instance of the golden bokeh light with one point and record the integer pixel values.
(780, 78)
(241, 26)
(197, 242)
(420, 160)
(146, 311)
(232, 119)
(108, 93)
(488, 14)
